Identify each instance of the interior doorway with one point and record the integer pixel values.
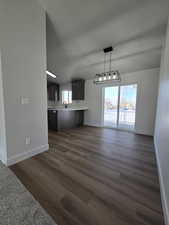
(120, 106)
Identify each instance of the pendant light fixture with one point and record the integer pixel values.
(110, 75)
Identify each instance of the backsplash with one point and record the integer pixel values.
(78, 103)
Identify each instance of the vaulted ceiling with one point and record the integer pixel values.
(78, 30)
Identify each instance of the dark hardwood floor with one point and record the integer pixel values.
(95, 176)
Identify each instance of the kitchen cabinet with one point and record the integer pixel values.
(53, 92)
(78, 89)
(64, 119)
(52, 119)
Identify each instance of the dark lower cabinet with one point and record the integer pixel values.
(69, 119)
(65, 119)
(53, 120)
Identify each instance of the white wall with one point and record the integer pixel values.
(162, 128)
(23, 52)
(147, 81)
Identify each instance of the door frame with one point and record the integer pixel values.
(118, 108)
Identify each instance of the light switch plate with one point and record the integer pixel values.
(24, 100)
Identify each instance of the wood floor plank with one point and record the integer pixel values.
(95, 176)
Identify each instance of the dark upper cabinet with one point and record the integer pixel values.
(53, 92)
(78, 89)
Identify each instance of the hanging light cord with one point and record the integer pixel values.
(110, 62)
(104, 62)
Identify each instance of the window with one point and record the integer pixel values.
(66, 97)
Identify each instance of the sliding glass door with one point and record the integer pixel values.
(127, 106)
(120, 106)
(111, 106)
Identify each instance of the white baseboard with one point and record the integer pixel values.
(162, 188)
(92, 124)
(2, 159)
(26, 155)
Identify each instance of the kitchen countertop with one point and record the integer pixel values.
(17, 205)
(68, 109)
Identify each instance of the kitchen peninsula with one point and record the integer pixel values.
(60, 118)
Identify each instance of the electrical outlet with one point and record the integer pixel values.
(27, 140)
